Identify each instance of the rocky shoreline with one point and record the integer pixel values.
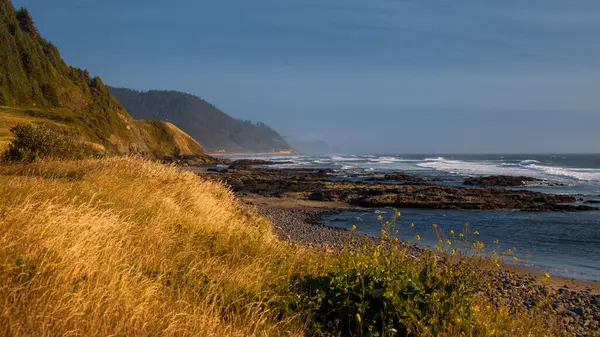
(506, 181)
(397, 190)
(577, 310)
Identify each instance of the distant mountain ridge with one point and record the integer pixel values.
(211, 127)
(37, 85)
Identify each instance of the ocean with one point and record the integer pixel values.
(564, 244)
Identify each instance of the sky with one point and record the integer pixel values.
(394, 76)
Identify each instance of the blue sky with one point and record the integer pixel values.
(400, 76)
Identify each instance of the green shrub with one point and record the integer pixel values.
(38, 141)
(368, 296)
(379, 288)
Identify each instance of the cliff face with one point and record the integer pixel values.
(211, 127)
(36, 84)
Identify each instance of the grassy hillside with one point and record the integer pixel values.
(10, 117)
(211, 127)
(37, 85)
(128, 247)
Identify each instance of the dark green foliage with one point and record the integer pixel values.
(25, 21)
(33, 142)
(23, 63)
(50, 94)
(376, 291)
(208, 125)
(32, 73)
(50, 115)
(33, 76)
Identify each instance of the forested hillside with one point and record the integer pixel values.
(36, 85)
(211, 127)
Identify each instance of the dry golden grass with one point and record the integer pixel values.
(123, 246)
(126, 247)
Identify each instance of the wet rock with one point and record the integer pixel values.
(318, 185)
(247, 164)
(239, 166)
(398, 177)
(260, 162)
(217, 170)
(500, 181)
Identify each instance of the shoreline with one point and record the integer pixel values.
(312, 189)
(284, 197)
(576, 303)
(242, 154)
(314, 214)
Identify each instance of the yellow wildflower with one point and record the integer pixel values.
(449, 242)
(475, 233)
(353, 227)
(398, 214)
(461, 235)
(379, 217)
(412, 225)
(418, 237)
(451, 232)
(515, 258)
(453, 251)
(434, 225)
(546, 275)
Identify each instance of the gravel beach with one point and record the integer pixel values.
(577, 310)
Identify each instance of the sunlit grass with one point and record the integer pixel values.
(125, 246)
(128, 247)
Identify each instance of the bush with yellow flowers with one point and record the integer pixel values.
(384, 287)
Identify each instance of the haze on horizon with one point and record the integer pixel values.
(369, 76)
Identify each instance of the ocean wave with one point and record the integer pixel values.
(529, 168)
(435, 159)
(338, 158)
(529, 162)
(525, 167)
(572, 173)
(391, 160)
